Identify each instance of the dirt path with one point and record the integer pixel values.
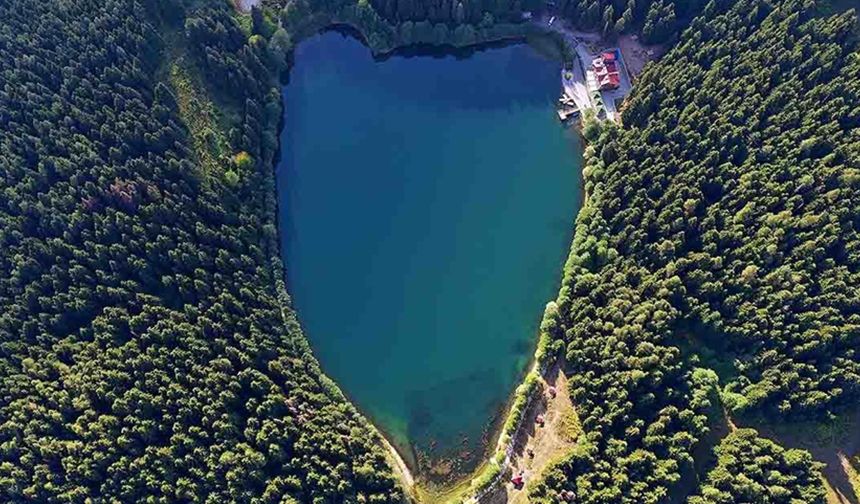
(400, 466)
(637, 54)
(548, 443)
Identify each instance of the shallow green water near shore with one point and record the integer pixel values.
(426, 208)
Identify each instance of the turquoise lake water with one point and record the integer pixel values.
(426, 209)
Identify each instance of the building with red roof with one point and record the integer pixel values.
(605, 68)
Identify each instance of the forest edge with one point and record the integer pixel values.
(471, 487)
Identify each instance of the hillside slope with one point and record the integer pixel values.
(146, 352)
(720, 235)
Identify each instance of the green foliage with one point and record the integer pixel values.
(753, 469)
(553, 483)
(549, 341)
(280, 46)
(486, 477)
(199, 114)
(521, 400)
(385, 25)
(231, 177)
(592, 128)
(146, 352)
(728, 201)
(658, 20)
(388, 24)
(765, 244)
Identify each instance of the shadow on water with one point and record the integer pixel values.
(522, 346)
(525, 81)
(543, 45)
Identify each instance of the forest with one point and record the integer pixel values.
(148, 352)
(388, 24)
(148, 349)
(657, 20)
(715, 265)
(753, 469)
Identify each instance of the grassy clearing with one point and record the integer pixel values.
(201, 117)
(539, 448)
(206, 116)
(569, 427)
(853, 470)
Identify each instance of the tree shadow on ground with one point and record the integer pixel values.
(704, 458)
(832, 443)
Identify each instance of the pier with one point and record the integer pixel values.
(590, 83)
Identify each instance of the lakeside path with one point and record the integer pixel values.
(548, 443)
(574, 87)
(402, 471)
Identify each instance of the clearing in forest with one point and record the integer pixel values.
(548, 443)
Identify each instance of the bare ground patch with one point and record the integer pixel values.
(636, 54)
(547, 443)
(245, 5)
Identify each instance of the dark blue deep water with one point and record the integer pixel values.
(426, 208)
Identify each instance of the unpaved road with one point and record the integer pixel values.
(550, 442)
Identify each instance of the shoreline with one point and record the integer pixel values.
(412, 486)
(452, 492)
(499, 444)
(407, 479)
(272, 243)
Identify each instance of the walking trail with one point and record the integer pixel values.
(548, 443)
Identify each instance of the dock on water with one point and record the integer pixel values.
(595, 81)
(567, 113)
(567, 108)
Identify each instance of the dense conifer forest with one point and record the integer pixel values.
(752, 469)
(657, 20)
(716, 262)
(388, 24)
(148, 351)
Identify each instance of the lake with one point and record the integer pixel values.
(426, 206)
